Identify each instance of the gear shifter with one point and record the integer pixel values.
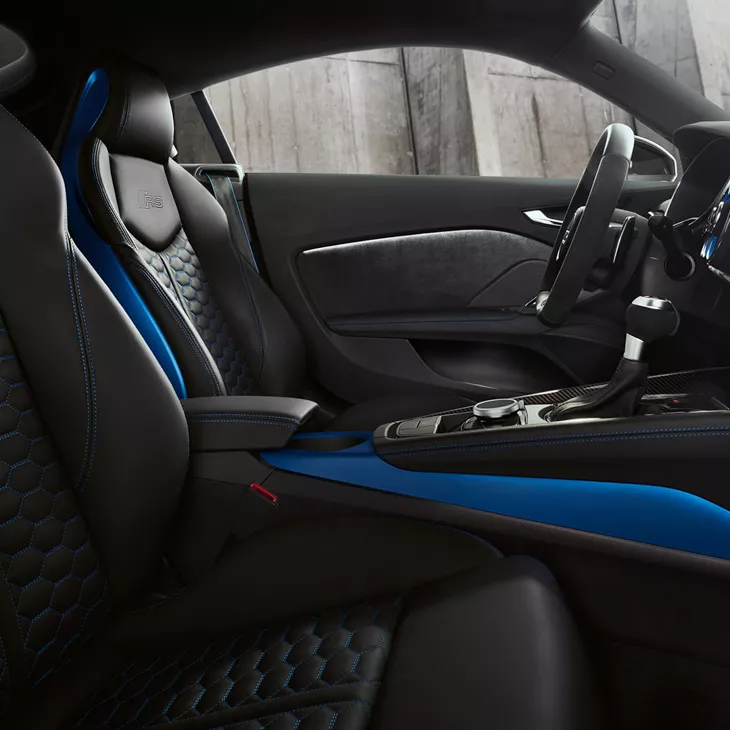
(647, 320)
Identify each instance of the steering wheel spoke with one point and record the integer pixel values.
(580, 239)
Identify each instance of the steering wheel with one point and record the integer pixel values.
(580, 241)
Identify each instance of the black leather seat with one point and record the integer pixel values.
(333, 624)
(229, 331)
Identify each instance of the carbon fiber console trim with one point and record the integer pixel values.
(715, 381)
(710, 381)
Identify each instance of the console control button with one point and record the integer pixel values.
(418, 427)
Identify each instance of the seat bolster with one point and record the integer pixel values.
(260, 324)
(493, 648)
(301, 567)
(146, 269)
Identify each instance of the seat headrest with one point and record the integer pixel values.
(137, 119)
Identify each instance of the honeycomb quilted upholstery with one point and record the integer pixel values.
(352, 715)
(340, 647)
(192, 289)
(48, 564)
(4, 679)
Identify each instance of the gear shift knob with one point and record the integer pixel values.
(648, 320)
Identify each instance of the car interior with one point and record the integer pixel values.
(325, 451)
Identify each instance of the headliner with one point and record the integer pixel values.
(192, 45)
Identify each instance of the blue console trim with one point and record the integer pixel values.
(98, 252)
(653, 515)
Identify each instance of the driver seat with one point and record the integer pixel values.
(228, 331)
(341, 623)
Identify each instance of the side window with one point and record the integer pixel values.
(444, 111)
(433, 111)
(192, 140)
(344, 113)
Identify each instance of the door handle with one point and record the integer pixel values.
(537, 216)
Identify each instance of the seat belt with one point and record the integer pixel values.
(225, 195)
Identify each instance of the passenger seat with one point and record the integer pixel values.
(325, 624)
(226, 327)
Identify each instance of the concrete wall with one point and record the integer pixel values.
(342, 113)
(448, 111)
(710, 22)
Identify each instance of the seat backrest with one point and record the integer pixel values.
(93, 440)
(228, 330)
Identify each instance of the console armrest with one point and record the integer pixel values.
(244, 423)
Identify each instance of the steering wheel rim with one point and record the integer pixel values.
(580, 240)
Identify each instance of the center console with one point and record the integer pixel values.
(668, 431)
(639, 458)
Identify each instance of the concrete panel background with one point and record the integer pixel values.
(710, 22)
(344, 113)
(448, 111)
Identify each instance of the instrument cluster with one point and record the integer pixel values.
(716, 235)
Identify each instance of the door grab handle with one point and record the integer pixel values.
(537, 216)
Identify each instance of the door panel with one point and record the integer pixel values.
(422, 272)
(339, 247)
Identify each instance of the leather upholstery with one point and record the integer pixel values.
(70, 338)
(252, 423)
(295, 627)
(137, 120)
(341, 648)
(228, 330)
(51, 569)
(151, 270)
(69, 417)
(146, 204)
(504, 624)
(262, 327)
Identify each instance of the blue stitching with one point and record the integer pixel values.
(82, 472)
(243, 224)
(176, 316)
(127, 110)
(254, 308)
(124, 234)
(243, 415)
(339, 323)
(258, 423)
(12, 116)
(91, 367)
(564, 437)
(575, 442)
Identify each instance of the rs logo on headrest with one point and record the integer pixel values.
(147, 200)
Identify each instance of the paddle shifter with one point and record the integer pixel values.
(647, 320)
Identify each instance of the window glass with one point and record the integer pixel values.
(192, 139)
(443, 111)
(434, 111)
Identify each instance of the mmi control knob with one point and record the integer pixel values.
(495, 410)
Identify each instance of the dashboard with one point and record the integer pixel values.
(700, 210)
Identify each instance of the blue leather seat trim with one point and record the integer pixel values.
(639, 512)
(98, 252)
